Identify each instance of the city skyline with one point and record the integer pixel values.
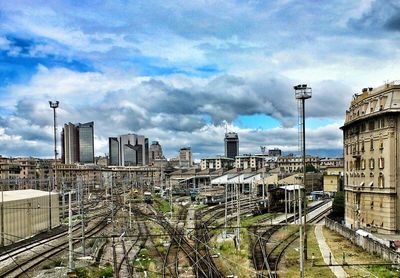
(180, 73)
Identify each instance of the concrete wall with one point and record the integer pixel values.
(368, 244)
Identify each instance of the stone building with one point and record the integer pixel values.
(371, 149)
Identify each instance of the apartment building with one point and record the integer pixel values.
(249, 161)
(217, 163)
(294, 163)
(371, 151)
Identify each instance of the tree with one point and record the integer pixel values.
(311, 168)
(338, 206)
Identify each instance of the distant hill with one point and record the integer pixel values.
(320, 152)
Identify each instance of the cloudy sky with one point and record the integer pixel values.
(181, 71)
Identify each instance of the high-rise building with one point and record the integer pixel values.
(185, 157)
(77, 143)
(128, 150)
(371, 151)
(155, 151)
(86, 142)
(231, 144)
(113, 151)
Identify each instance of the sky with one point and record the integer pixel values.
(182, 72)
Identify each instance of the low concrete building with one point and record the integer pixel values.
(332, 180)
(26, 213)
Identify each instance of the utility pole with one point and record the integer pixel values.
(71, 266)
(81, 195)
(114, 255)
(226, 210)
(170, 197)
(302, 92)
(63, 200)
(49, 189)
(238, 217)
(2, 216)
(286, 205)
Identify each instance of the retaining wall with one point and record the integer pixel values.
(368, 244)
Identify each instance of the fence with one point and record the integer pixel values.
(368, 244)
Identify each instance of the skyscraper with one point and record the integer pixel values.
(128, 150)
(155, 151)
(231, 144)
(86, 142)
(77, 142)
(113, 151)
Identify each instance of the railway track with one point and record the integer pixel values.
(172, 255)
(26, 258)
(266, 263)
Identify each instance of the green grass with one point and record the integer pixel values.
(384, 271)
(251, 220)
(93, 272)
(356, 255)
(290, 262)
(162, 205)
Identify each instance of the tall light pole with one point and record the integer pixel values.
(54, 106)
(302, 92)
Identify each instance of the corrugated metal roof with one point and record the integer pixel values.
(14, 195)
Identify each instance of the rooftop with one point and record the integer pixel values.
(15, 195)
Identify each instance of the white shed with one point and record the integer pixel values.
(26, 213)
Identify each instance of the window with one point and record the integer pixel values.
(362, 164)
(372, 205)
(371, 163)
(371, 125)
(381, 163)
(362, 146)
(382, 123)
(371, 145)
(381, 181)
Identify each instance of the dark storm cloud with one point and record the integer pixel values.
(393, 23)
(383, 15)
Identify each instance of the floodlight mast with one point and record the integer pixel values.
(54, 106)
(303, 92)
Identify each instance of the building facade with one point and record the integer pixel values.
(217, 163)
(113, 151)
(371, 149)
(294, 163)
(253, 162)
(77, 143)
(155, 152)
(185, 157)
(231, 143)
(326, 162)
